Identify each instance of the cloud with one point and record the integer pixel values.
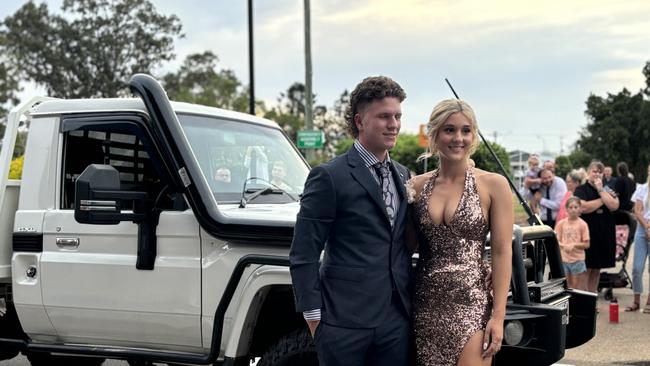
(613, 80)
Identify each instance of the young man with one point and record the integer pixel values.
(357, 302)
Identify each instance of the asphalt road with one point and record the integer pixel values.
(624, 344)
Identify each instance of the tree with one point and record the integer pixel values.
(92, 49)
(200, 81)
(484, 160)
(8, 89)
(618, 131)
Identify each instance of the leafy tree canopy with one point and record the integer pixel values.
(199, 81)
(92, 48)
(619, 129)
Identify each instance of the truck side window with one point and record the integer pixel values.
(122, 151)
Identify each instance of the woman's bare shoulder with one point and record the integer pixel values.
(491, 180)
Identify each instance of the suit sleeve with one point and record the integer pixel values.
(315, 218)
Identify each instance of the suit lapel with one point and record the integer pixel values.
(362, 175)
(399, 178)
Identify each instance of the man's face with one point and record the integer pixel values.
(222, 175)
(607, 172)
(547, 178)
(379, 123)
(278, 171)
(549, 165)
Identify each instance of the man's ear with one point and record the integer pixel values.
(357, 121)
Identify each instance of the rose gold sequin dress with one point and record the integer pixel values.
(452, 300)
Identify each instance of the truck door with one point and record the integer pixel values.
(92, 291)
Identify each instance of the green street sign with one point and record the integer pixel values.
(310, 139)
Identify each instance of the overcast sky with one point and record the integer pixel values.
(527, 67)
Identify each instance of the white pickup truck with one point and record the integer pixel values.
(154, 231)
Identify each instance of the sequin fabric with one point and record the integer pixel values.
(452, 300)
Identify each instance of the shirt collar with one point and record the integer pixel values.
(369, 158)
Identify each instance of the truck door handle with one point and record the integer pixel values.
(67, 243)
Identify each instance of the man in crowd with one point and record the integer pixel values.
(550, 195)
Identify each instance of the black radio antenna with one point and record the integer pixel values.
(532, 218)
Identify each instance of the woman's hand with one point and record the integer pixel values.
(492, 337)
(598, 184)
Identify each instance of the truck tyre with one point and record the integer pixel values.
(47, 359)
(293, 349)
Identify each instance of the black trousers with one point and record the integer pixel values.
(389, 344)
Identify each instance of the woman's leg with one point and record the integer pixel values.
(593, 276)
(571, 280)
(473, 351)
(640, 254)
(581, 281)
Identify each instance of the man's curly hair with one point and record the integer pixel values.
(370, 89)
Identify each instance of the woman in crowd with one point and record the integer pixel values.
(641, 243)
(575, 178)
(597, 207)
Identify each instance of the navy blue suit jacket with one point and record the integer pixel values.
(365, 259)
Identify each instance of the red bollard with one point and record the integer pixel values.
(613, 311)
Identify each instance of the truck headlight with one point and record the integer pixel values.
(513, 332)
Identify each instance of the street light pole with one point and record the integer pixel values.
(309, 117)
(251, 72)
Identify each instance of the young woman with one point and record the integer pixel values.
(641, 243)
(597, 207)
(457, 321)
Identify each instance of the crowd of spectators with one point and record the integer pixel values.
(587, 209)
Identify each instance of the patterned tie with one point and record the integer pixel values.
(384, 181)
(549, 213)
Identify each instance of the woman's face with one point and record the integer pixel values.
(595, 174)
(571, 184)
(455, 137)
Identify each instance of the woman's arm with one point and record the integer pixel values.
(501, 222)
(590, 206)
(609, 200)
(638, 213)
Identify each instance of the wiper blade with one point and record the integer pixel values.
(245, 200)
(272, 188)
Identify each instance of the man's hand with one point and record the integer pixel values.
(538, 197)
(312, 324)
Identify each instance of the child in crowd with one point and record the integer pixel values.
(533, 180)
(573, 235)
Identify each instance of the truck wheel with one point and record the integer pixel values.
(293, 349)
(47, 359)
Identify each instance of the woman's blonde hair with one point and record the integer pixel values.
(440, 114)
(578, 175)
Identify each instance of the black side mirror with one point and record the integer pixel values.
(98, 199)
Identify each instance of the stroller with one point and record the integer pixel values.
(624, 239)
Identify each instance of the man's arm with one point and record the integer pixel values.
(317, 213)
